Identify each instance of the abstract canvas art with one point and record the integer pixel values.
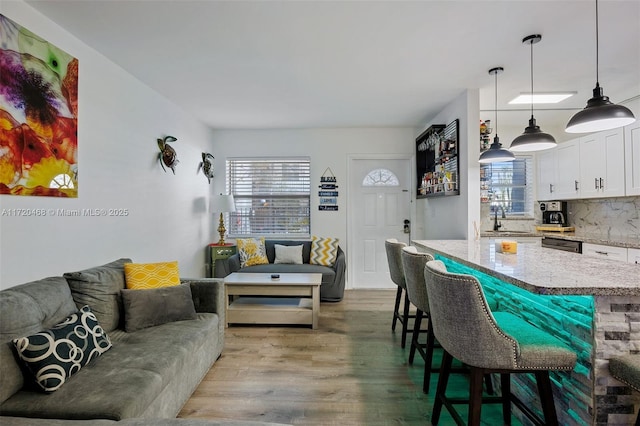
(38, 115)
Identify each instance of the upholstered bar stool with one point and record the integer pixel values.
(394, 248)
(488, 342)
(413, 264)
(626, 368)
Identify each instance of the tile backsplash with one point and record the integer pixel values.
(609, 217)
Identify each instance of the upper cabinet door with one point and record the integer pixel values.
(568, 182)
(632, 158)
(602, 164)
(546, 187)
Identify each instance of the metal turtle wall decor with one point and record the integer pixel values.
(167, 156)
(207, 166)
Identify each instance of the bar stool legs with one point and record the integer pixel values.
(396, 310)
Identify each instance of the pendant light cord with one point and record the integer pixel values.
(496, 100)
(531, 43)
(597, 49)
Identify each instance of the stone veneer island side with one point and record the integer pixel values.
(592, 305)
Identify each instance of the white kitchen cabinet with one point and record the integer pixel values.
(568, 175)
(602, 164)
(546, 175)
(633, 255)
(632, 158)
(604, 252)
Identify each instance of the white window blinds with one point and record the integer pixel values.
(272, 196)
(510, 186)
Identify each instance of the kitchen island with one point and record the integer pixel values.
(592, 305)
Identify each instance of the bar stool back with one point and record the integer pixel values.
(489, 342)
(393, 248)
(626, 368)
(413, 264)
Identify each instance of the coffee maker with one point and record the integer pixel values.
(554, 213)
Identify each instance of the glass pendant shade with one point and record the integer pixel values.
(533, 139)
(496, 153)
(599, 114)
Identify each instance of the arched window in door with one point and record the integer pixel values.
(380, 177)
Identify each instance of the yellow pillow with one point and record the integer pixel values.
(140, 276)
(252, 251)
(323, 251)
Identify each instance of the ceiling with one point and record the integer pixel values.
(318, 64)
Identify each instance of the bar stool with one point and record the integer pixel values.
(488, 342)
(394, 248)
(413, 264)
(626, 368)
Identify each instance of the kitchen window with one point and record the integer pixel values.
(509, 186)
(272, 196)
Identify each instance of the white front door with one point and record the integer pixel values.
(379, 203)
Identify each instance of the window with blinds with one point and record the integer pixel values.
(272, 196)
(510, 186)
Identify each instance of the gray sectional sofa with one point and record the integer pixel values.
(333, 277)
(149, 373)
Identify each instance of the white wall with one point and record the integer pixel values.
(326, 148)
(453, 217)
(119, 121)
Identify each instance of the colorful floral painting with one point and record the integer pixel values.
(38, 115)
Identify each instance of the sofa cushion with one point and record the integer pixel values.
(323, 251)
(126, 380)
(252, 251)
(147, 308)
(288, 254)
(141, 276)
(24, 310)
(54, 355)
(328, 274)
(99, 288)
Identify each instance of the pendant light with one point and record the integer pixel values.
(496, 153)
(600, 113)
(533, 139)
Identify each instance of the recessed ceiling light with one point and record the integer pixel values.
(542, 98)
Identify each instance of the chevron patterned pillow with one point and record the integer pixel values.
(323, 251)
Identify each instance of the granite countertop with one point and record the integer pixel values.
(542, 270)
(592, 238)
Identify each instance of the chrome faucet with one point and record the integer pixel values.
(497, 225)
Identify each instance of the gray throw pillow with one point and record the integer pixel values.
(150, 307)
(99, 287)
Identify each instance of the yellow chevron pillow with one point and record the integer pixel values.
(140, 276)
(323, 251)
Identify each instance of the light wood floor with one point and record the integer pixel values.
(350, 371)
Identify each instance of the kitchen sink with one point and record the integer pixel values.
(509, 234)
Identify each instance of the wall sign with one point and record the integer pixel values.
(328, 191)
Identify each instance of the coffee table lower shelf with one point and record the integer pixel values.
(270, 310)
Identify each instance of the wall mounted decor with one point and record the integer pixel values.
(167, 156)
(437, 168)
(38, 115)
(207, 166)
(328, 191)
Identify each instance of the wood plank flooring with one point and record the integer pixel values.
(349, 371)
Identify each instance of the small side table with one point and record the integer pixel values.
(219, 252)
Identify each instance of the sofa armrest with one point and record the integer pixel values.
(340, 265)
(231, 264)
(208, 296)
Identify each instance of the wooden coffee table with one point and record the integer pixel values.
(256, 298)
